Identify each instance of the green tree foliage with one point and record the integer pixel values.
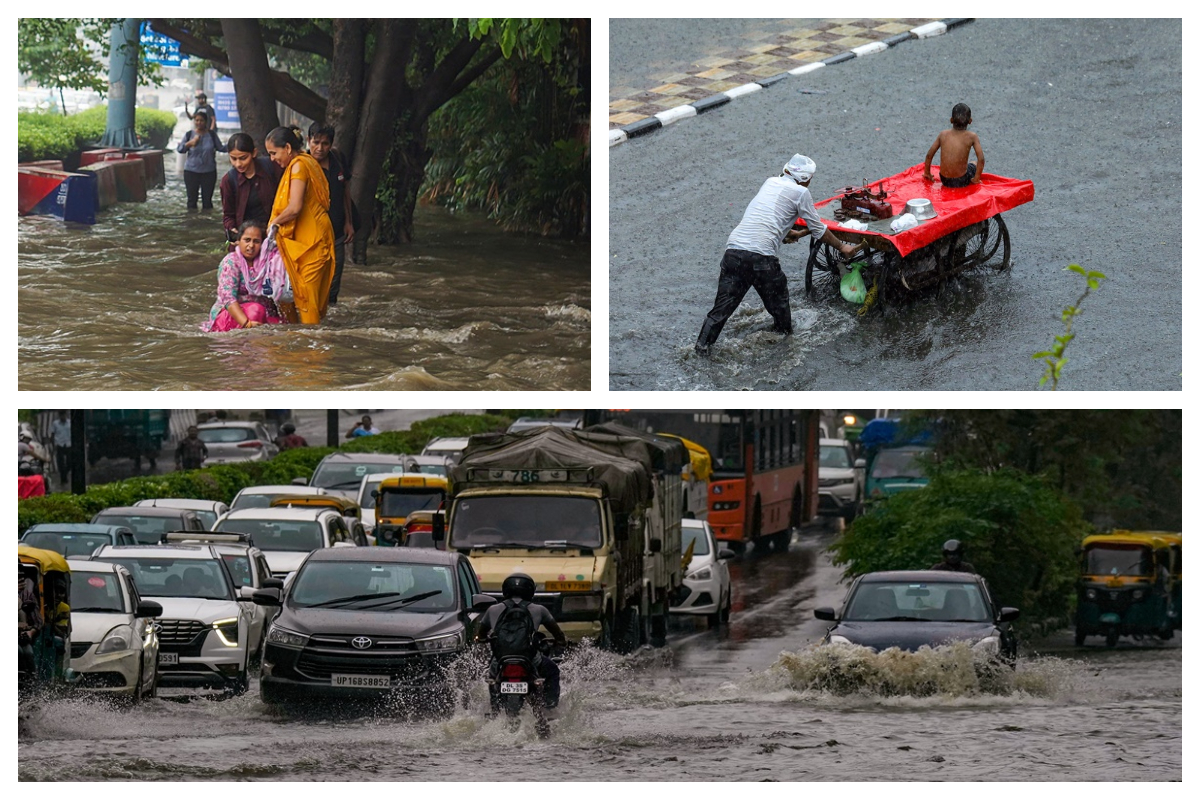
(1123, 468)
(1019, 532)
(42, 136)
(223, 481)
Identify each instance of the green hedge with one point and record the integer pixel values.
(47, 136)
(223, 481)
(1020, 534)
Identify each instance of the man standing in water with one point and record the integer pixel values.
(337, 172)
(750, 258)
(191, 452)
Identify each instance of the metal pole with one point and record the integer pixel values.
(333, 435)
(78, 457)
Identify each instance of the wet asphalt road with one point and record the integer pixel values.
(1090, 110)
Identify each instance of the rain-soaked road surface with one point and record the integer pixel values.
(742, 703)
(1089, 110)
(117, 305)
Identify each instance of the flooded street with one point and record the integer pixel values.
(118, 305)
(749, 702)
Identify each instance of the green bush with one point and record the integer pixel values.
(1019, 534)
(221, 482)
(47, 136)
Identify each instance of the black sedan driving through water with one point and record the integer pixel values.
(911, 609)
(369, 621)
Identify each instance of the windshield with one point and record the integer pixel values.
(207, 519)
(365, 497)
(96, 593)
(1116, 560)
(295, 536)
(226, 435)
(176, 577)
(937, 602)
(348, 476)
(68, 544)
(835, 457)
(428, 469)
(526, 521)
(401, 503)
(147, 530)
(367, 586)
(898, 464)
(239, 568)
(696, 535)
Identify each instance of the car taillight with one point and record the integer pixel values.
(251, 443)
(513, 671)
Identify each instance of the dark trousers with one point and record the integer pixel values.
(548, 671)
(960, 181)
(339, 258)
(740, 270)
(198, 183)
(62, 460)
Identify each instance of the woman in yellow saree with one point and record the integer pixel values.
(305, 235)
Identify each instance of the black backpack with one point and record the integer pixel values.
(513, 632)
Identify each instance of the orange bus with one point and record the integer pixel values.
(764, 480)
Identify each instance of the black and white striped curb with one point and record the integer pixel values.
(644, 126)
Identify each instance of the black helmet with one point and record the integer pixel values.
(519, 585)
(953, 551)
(288, 428)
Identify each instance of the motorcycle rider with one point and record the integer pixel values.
(518, 589)
(952, 558)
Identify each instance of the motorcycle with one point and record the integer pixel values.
(513, 681)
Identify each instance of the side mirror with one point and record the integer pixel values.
(266, 597)
(148, 608)
(375, 495)
(299, 481)
(246, 592)
(1009, 614)
(481, 602)
(825, 613)
(860, 463)
(724, 555)
(656, 545)
(272, 583)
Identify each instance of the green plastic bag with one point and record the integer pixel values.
(854, 288)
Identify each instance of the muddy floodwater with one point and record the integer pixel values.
(117, 305)
(753, 701)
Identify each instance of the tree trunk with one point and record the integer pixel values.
(346, 84)
(252, 78)
(408, 158)
(382, 99)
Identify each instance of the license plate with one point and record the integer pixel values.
(514, 688)
(568, 586)
(168, 658)
(363, 681)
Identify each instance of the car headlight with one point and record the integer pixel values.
(835, 639)
(701, 574)
(441, 644)
(988, 644)
(1090, 594)
(227, 631)
(573, 603)
(118, 639)
(285, 638)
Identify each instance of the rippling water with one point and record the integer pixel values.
(1107, 715)
(117, 305)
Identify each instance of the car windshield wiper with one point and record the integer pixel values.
(502, 545)
(352, 599)
(403, 601)
(900, 619)
(94, 609)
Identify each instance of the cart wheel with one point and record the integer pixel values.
(808, 270)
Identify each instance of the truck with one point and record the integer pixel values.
(586, 514)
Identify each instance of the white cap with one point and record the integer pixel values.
(800, 168)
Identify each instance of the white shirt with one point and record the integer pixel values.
(771, 214)
(61, 430)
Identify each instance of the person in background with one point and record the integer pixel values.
(288, 438)
(952, 558)
(362, 428)
(60, 433)
(191, 452)
(202, 105)
(341, 217)
(301, 214)
(248, 188)
(200, 168)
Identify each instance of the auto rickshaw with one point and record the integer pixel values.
(1124, 588)
(399, 496)
(44, 625)
(425, 528)
(344, 506)
(1175, 567)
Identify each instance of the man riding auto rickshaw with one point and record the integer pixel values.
(400, 495)
(43, 619)
(1125, 588)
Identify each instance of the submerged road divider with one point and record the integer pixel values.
(652, 123)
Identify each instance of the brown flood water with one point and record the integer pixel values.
(118, 305)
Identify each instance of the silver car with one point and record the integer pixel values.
(228, 442)
(841, 479)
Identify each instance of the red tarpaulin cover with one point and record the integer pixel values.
(956, 208)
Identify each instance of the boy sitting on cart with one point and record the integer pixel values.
(956, 145)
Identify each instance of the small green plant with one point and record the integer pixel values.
(1054, 358)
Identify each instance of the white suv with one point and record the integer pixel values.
(287, 535)
(203, 632)
(841, 480)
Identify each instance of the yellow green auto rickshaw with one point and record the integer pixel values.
(1173, 555)
(44, 619)
(1124, 588)
(400, 495)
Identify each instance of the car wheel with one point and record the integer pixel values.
(136, 697)
(604, 640)
(629, 635)
(1079, 637)
(239, 685)
(727, 609)
(1110, 638)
